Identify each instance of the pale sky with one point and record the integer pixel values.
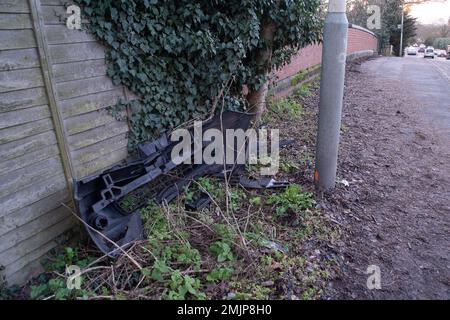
(432, 12)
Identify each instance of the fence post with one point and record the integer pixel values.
(44, 54)
(331, 94)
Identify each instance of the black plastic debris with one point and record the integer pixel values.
(98, 197)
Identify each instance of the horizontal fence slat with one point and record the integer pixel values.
(15, 21)
(101, 163)
(53, 2)
(96, 135)
(19, 59)
(89, 103)
(17, 39)
(79, 70)
(72, 89)
(62, 53)
(18, 117)
(14, 6)
(54, 15)
(32, 193)
(29, 213)
(99, 149)
(60, 34)
(20, 147)
(29, 265)
(28, 159)
(34, 247)
(32, 228)
(19, 179)
(20, 79)
(25, 130)
(87, 121)
(22, 99)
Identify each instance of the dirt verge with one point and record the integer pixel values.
(396, 208)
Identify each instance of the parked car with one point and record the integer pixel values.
(429, 53)
(411, 51)
(448, 55)
(442, 54)
(421, 50)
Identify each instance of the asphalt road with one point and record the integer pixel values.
(426, 80)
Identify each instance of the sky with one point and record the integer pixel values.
(432, 12)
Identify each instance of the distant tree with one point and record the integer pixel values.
(357, 12)
(441, 43)
(391, 15)
(393, 19)
(429, 33)
(444, 31)
(429, 41)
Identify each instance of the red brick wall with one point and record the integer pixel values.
(358, 40)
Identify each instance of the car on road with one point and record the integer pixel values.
(442, 54)
(429, 53)
(448, 55)
(411, 51)
(421, 50)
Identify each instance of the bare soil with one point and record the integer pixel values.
(395, 213)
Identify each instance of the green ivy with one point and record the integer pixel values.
(177, 56)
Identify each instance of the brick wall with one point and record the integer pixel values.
(359, 39)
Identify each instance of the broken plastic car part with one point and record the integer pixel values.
(97, 198)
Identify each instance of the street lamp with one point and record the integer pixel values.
(331, 94)
(401, 29)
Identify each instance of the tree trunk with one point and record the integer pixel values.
(257, 99)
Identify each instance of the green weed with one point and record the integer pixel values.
(291, 200)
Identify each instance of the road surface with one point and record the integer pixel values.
(426, 80)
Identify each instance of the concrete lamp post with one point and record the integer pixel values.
(331, 94)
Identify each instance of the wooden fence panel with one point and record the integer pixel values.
(32, 180)
(54, 127)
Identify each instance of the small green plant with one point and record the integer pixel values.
(57, 287)
(288, 167)
(299, 77)
(291, 200)
(225, 232)
(128, 203)
(155, 223)
(287, 108)
(245, 290)
(219, 274)
(304, 90)
(237, 196)
(211, 186)
(255, 201)
(180, 285)
(222, 251)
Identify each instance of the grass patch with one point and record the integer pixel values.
(286, 108)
